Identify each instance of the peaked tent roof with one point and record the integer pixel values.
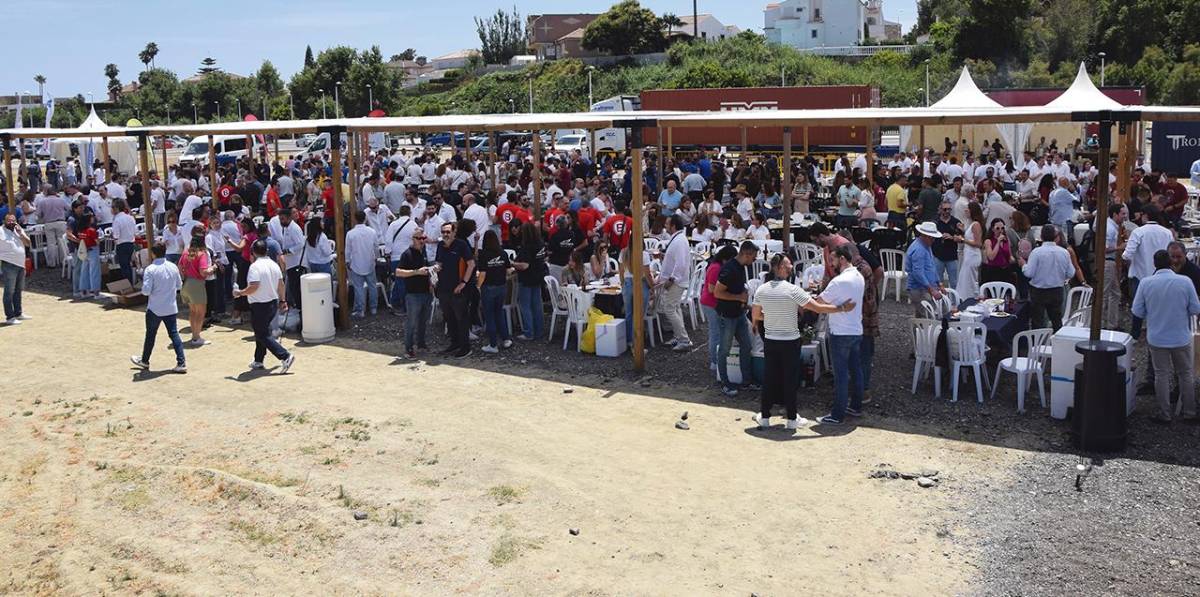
(1083, 96)
(966, 94)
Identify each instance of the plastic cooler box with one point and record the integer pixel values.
(1063, 361)
(317, 315)
(610, 338)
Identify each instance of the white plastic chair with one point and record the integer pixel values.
(932, 310)
(611, 267)
(1033, 362)
(691, 295)
(1078, 318)
(512, 311)
(577, 308)
(812, 274)
(773, 247)
(652, 244)
(893, 271)
(1078, 299)
(967, 349)
(650, 318)
(67, 257)
(758, 268)
(558, 302)
(925, 335)
(1002, 290)
(37, 243)
(808, 254)
(700, 248)
(950, 300)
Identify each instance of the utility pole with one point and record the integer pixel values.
(695, 21)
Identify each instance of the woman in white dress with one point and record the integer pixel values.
(972, 256)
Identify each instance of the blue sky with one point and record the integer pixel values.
(70, 41)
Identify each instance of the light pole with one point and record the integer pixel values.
(168, 117)
(239, 107)
(322, 103)
(591, 100)
(337, 102)
(370, 98)
(531, 95)
(920, 91)
(91, 101)
(195, 114)
(291, 105)
(265, 117)
(218, 104)
(1102, 55)
(782, 75)
(926, 82)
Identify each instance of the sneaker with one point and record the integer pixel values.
(410, 354)
(681, 347)
(473, 336)
(729, 391)
(506, 344)
(524, 338)
(763, 422)
(854, 412)
(462, 354)
(867, 399)
(198, 342)
(287, 364)
(139, 363)
(24, 317)
(13, 321)
(491, 349)
(796, 423)
(828, 420)
(179, 369)
(671, 343)
(256, 366)
(374, 312)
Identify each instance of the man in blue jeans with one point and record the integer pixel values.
(845, 336)
(732, 298)
(412, 272)
(160, 282)
(13, 242)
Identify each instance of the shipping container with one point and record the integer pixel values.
(1174, 147)
(820, 138)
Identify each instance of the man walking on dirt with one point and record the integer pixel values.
(160, 282)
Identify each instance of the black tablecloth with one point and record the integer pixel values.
(1000, 331)
(611, 304)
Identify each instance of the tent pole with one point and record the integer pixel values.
(276, 147)
(658, 141)
(1122, 150)
(786, 191)
(806, 149)
(671, 143)
(162, 174)
(212, 166)
(1101, 223)
(635, 248)
(249, 154)
(869, 175)
(537, 176)
(745, 149)
(922, 150)
(352, 160)
(339, 226)
(10, 188)
(492, 163)
(147, 207)
(108, 176)
(959, 144)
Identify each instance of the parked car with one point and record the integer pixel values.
(228, 149)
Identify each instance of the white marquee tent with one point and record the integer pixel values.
(120, 148)
(965, 95)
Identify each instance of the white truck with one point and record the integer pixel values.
(228, 149)
(613, 140)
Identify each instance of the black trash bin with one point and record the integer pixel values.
(1098, 417)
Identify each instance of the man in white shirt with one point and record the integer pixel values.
(428, 170)
(845, 334)
(124, 231)
(479, 214)
(158, 204)
(361, 248)
(160, 282)
(953, 170)
(416, 205)
(378, 217)
(287, 187)
(13, 242)
(433, 229)
(393, 195)
(412, 175)
(290, 237)
(675, 277)
(190, 202)
(397, 240)
(1027, 188)
(1139, 253)
(264, 285)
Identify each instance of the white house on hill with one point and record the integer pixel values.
(808, 24)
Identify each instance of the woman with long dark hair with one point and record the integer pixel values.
(194, 267)
(317, 254)
(493, 269)
(531, 273)
(997, 256)
(708, 301)
(972, 256)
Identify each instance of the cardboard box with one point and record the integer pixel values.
(124, 294)
(610, 338)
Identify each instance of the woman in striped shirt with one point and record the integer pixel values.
(776, 315)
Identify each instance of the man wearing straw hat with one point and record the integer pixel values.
(921, 267)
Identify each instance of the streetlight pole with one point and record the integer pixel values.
(337, 102)
(218, 104)
(512, 106)
(239, 107)
(591, 99)
(782, 75)
(370, 98)
(926, 82)
(291, 105)
(168, 117)
(195, 114)
(531, 95)
(91, 100)
(1102, 55)
(322, 103)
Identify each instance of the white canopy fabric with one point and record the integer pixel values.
(964, 96)
(120, 148)
(1083, 96)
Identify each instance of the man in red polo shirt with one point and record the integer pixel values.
(556, 210)
(618, 228)
(587, 220)
(507, 213)
(1176, 198)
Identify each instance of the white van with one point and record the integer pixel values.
(613, 140)
(228, 149)
(320, 146)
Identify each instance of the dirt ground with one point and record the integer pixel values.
(224, 481)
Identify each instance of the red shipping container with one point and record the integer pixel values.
(762, 98)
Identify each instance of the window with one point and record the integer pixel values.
(816, 14)
(703, 35)
(233, 145)
(814, 34)
(870, 20)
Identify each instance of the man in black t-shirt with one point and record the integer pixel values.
(414, 270)
(945, 249)
(456, 264)
(732, 299)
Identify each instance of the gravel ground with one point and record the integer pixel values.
(1132, 529)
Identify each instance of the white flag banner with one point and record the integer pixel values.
(48, 102)
(20, 117)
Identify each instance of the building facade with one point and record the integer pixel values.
(814, 24)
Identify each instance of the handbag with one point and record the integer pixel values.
(81, 252)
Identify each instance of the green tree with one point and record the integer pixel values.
(41, 81)
(1037, 74)
(408, 54)
(626, 28)
(671, 20)
(1124, 28)
(146, 56)
(994, 30)
(501, 36)
(114, 83)
(1182, 86)
(209, 66)
(308, 57)
(267, 79)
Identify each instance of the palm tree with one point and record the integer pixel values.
(41, 81)
(671, 21)
(147, 55)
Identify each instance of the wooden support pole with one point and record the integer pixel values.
(492, 163)
(249, 154)
(869, 175)
(10, 185)
(922, 149)
(959, 145)
(147, 204)
(636, 247)
(786, 191)
(24, 172)
(352, 178)
(671, 143)
(1123, 163)
(212, 166)
(277, 147)
(812, 182)
(1101, 225)
(537, 178)
(745, 143)
(339, 226)
(659, 156)
(162, 173)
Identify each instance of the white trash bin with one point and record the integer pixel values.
(316, 296)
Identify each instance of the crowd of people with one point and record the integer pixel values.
(456, 233)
